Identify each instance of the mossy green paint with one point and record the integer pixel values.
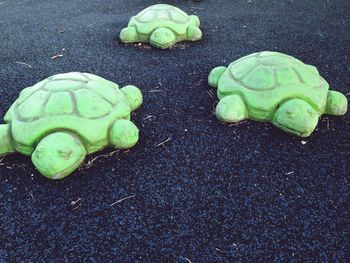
(162, 26)
(271, 86)
(61, 119)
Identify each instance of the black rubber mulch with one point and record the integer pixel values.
(212, 192)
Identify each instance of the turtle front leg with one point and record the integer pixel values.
(231, 109)
(124, 134)
(297, 117)
(128, 35)
(133, 95)
(6, 144)
(163, 38)
(58, 155)
(194, 33)
(337, 103)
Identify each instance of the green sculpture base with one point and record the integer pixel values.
(63, 118)
(162, 26)
(270, 86)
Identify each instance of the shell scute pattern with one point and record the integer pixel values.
(26, 109)
(106, 92)
(67, 95)
(268, 70)
(164, 12)
(259, 78)
(63, 85)
(90, 104)
(309, 77)
(25, 93)
(286, 76)
(241, 69)
(71, 76)
(59, 103)
(160, 16)
(178, 16)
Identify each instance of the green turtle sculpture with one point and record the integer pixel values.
(162, 26)
(61, 119)
(271, 86)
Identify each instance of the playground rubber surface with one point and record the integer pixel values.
(193, 189)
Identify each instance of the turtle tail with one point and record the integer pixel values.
(6, 145)
(215, 75)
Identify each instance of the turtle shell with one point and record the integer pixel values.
(161, 15)
(81, 103)
(267, 79)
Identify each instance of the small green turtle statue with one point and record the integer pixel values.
(61, 119)
(162, 26)
(270, 86)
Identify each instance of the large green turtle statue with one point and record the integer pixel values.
(271, 86)
(61, 119)
(162, 26)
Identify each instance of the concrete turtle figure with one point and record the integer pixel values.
(61, 119)
(271, 86)
(162, 26)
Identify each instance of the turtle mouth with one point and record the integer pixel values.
(63, 173)
(291, 130)
(164, 46)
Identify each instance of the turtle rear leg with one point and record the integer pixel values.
(124, 134)
(195, 20)
(133, 95)
(215, 75)
(6, 144)
(58, 154)
(193, 31)
(163, 38)
(337, 103)
(128, 35)
(231, 109)
(297, 117)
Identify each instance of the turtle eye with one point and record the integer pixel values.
(40, 149)
(39, 152)
(64, 153)
(291, 113)
(312, 114)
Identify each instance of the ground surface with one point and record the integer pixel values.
(211, 193)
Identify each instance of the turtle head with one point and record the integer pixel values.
(215, 75)
(296, 116)
(133, 95)
(58, 154)
(337, 103)
(163, 38)
(6, 143)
